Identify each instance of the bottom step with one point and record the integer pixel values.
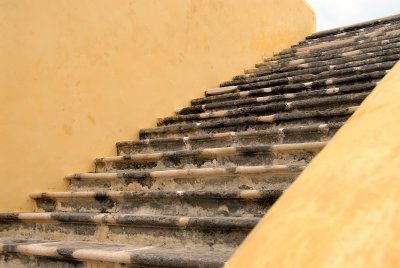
(42, 253)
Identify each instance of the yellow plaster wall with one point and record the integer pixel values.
(344, 210)
(78, 75)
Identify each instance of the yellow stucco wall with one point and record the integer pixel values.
(77, 75)
(344, 210)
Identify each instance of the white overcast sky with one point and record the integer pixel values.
(336, 13)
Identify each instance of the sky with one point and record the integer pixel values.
(336, 13)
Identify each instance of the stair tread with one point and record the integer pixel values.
(215, 152)
(283, 116)
(329, 97)
(224, 194)
(225, 135)
(319, 72)
(260, 90)
(348, 43)
(155, 255)
(356, 26)
(192, 172)
(133, 219)
(336, 49)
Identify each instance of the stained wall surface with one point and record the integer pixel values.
(77, 75)
(344, 209)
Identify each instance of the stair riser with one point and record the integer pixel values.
(161, 206)
(124, 234)
(273, 138)
(264, 182)
(246, 127)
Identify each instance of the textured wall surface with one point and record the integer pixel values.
(343, 211)
(77, 76)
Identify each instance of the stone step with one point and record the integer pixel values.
(212, 232)
(387, 39)
(385, 34)
(203, 179)
(374, 38)
(314, 132)
(257, 101)
(251, 123)
(314, 68)
(191, 172)
(320, 61)
(216, 157)
(71, 254)
(338, 63)
(259, 181)
(326, 101)
(323, 60)
(293, 88)
(259, 82)
(318, 98)
(221, 203)
(368, 32)
(313, 73)
(348, 30)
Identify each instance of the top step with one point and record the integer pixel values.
(356, 26)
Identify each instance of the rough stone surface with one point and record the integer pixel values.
(190, 190)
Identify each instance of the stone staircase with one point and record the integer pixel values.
(191, 189)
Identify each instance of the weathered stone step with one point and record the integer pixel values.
(71, 254)
(325, 101)
(263, 73)
(257, 101)
(293, 88)
(184, 231)
(326, 58)
(217, 157)
(206, 179)
(258, 181)
(331, 71)
(374, 38)
(362, 60)
(347, 30)
(314, 132)
(370, 32)
(218, 109)
(312, 69)
(329, 98)
(387, 38)
(191, 173)
(238, 203)
(190, 156)
(260, 81)
(251, 123)
(299, 64)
